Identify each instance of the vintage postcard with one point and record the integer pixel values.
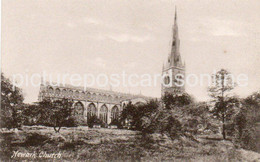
(131, 80)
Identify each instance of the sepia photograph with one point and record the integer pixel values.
(130, 80)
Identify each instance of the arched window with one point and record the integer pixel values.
(167, 80)
(50, 90)
(103, 113)
(78, 109)
(92, 110)
(104, 97)
(70, 93)
(76, 93)
(57, 91)
(115, 113)
(64, 92)
(93, 96)
(107, 97)
(88, 95)
(82, 94)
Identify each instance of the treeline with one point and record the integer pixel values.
(54, 113)
(184, 117)
(235, 118)
(176, 116)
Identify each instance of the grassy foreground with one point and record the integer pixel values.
(82, 144)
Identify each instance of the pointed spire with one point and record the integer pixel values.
(175, 20)
(175, 16)
(175, 42)
(174, 58)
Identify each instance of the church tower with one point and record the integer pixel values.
(173, 71)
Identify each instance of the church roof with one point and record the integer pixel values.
(95, 90)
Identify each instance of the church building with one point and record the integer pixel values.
(107, 105)
(87, 102)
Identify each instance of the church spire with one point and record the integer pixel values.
(175, 16)
(174, 64)
(175, 58)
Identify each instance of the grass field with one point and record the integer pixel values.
(82, 144)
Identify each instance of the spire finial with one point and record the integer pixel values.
(175, 17)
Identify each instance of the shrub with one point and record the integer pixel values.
(35, 139)
(93, 120)
(71, 122)
(246, 122)
(116, 122)
(173, 128)
(5, 145)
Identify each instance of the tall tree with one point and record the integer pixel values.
(223, 100)
(56, 113)
(11, 101)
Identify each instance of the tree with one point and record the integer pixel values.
(224, 102)
(171, 100)
(128, 114)
(11, 101)
(136, 114)
(178, 116)
(246, 122)
(31, 114)
(56, 113)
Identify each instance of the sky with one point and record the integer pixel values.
(111, 36)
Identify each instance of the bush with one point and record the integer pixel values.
(93, 120)
(246, 122)
(248, 139)
(70, 122)
(173, 128)
(116, 122)
(35, 139)
(5, 145)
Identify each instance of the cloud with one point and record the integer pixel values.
(211, 26)
(122, 34)
(221, 27)
(225, 30)
(90, 20)
(127, 37)
(124, 37)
